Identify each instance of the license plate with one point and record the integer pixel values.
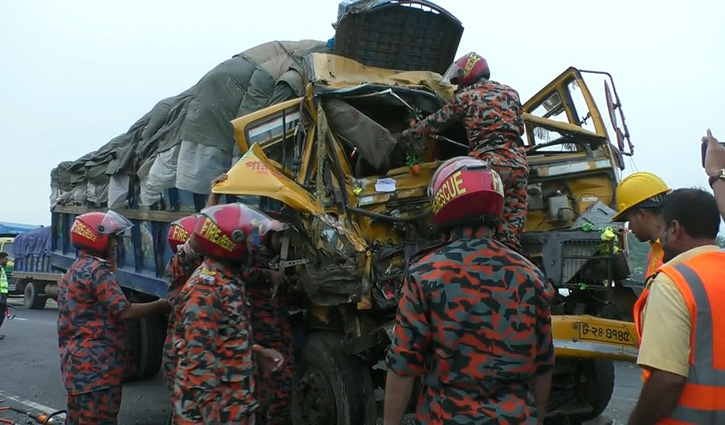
(602, 333)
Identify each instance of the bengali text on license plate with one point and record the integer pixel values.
(603, 333)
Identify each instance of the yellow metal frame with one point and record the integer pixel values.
(558, 85)
(240, 124)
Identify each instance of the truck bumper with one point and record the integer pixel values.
(586, 337)
(592, 337)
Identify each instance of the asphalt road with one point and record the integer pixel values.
(30, 375)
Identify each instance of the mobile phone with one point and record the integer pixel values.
(703, 147)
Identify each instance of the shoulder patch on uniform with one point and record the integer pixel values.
(207, 275)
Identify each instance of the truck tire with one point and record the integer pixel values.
(32, 298)
(146, 342)
(331, 387)
(596, 383)
(132, 342)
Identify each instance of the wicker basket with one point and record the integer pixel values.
(413, 35)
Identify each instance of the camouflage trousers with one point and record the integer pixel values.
(272, 329)
(94, 408)
(3, 307)
(515, 180)
(224, 409)
(168, 360)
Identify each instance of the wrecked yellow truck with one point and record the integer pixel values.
(310, 142)
(326, 163)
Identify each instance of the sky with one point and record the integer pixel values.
(74, 74)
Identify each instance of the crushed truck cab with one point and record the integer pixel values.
(327, 164)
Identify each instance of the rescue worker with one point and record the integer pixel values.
(3, 289)
(214, 381)
(272, 328)
(638, 198)
(91, 308)
(678, 321)
(715, 169)
(270, 322)
(178, 271)
(492, 115)
(473, 319)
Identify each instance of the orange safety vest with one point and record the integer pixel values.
(700, 280)
(654, 262)
(638, 309)
(654, 259)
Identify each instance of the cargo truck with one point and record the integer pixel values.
(8, 233)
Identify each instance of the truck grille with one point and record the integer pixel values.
(588, 264)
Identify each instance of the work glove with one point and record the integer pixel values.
(411, 141)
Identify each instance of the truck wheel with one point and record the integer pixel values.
(331, 388)
(32, 298)
(596, 383)
(132, 341)
(146, 342)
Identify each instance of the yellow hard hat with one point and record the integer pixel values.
(637, 188)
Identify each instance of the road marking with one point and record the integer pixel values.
(22, 319)
(33, 405)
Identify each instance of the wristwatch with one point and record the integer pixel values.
(720, 176)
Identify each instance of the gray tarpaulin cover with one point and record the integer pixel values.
(186, 140)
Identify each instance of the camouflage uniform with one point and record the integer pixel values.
(91, 340)
(492, 115)
(179, 270)
(95, 408)
(474, 322)
(272, 329)
(214, 382)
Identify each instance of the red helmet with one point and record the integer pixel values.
(467, 69)
(181, 230)
(465, 189)
(92, 230)
(229, 231)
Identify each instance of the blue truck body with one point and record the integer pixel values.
(141, 266)
(14, 229)
(32, 251)
(141, 258)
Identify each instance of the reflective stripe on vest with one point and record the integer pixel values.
(3, 281)
(702, 400)
(638, 309)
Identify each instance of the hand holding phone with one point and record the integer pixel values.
(713, 154)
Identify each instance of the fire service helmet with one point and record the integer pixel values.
(228, 231)
(93, 230)
(466, 190)
(180, 231)
(467, 69)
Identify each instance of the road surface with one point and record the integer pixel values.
(30, 375)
